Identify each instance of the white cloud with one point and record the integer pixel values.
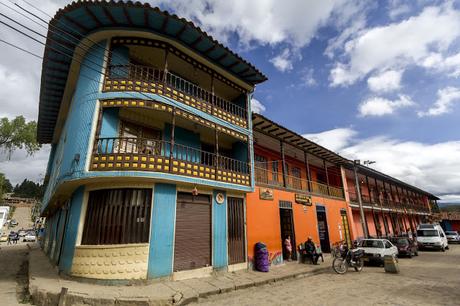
(307, 77)
(386, 81)
(446, 98)
(397, 8)
(15, 169)
(283, 61)
(260, 21)
(448, 64)
(398, 44)
(378, 106)
(257, 106)
(334, 140)
(431, 167)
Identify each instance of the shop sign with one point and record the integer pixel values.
(220, 198)
(303, 199)
(265, 193)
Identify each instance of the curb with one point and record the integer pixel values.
(183, 292)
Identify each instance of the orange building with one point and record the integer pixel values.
(305, 190)
(298, 192)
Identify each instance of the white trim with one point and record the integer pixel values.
(196, 273)
(92, 135)
(82, 217)
(174, 233)
(237, 267)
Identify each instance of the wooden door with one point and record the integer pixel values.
(236, 236)
(192, 247)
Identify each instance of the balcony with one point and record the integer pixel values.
(148, 79)
(273, 179)
(140, 154)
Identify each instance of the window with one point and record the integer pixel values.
(117, 216)
(139, 139)
(387, 244)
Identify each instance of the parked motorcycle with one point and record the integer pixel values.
(348, 258)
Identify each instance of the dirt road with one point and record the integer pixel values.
(13, 263)
(429, 279)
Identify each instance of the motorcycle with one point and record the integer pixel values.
(348, 258)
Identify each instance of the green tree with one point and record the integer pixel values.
(29, 189)
(5, 186)
(18, 134)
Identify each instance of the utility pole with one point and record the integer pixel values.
(356, 163)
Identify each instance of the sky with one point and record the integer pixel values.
(370, 80)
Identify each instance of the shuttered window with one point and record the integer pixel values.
(117, 216)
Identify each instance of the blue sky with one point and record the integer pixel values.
(375, 80)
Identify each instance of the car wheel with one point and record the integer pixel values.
(447, 247)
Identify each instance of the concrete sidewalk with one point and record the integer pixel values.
(46, 286)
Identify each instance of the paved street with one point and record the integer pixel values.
(13, 266)
(429, 279)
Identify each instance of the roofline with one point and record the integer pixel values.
(347, 163)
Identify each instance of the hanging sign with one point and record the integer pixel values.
(303, 199)
(265, 193)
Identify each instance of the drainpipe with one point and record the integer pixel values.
(360, 201)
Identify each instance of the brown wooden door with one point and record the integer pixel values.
(192, 247)
(236, 237)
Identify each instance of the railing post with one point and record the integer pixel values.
(165, 72)
(308, 171)
(283, 166)
(171, 145)
(327, 177)
(217, 151)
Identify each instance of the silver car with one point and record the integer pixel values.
(453, 237)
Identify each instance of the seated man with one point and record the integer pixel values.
(310, 250)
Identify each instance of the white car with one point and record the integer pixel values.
(431, 236)
(452, 237)
(376, 249)
(30, 237)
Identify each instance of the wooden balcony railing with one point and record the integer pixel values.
(127, 153)
(152, 80)
(387, 203)
(274, 179)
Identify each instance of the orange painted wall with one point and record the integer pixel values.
(263, 220)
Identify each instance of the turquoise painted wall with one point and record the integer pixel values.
(76, 133)
(58, 234)
(109, 127)
(71, 230)
(162, 231)
(219, 231)
(240, 151)
(120, 56)
(49, 167)
(186, 138)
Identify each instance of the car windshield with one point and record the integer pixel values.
(402, 241)
(427, 233)
(371, 244)
(451, 233)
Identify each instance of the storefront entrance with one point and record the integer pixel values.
(192, 247)
(287, 228)
(322, 229)
(236, 236)
(345, 227)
